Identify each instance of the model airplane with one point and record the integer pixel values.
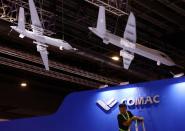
(128, 42)
(37, 35)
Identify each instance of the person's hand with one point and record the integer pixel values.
(141, 118)
(134, 118)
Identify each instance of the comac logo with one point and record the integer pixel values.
(108, 105)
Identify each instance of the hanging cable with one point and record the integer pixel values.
(127, 6)
(116, 24)
(63, 19)
(41, 8)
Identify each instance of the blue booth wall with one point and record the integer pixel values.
(79, 111)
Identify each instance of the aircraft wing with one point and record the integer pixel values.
(126, 63)
(127, 58)
(130, 30)
(36, 23)
(44, 55)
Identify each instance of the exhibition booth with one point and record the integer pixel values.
(161, 103)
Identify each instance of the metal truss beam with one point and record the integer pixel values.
(58, 66)
(9, 10)
(51, 74)
(172, 6)
(157, 9)
(112, 8)
(154, 21)
(147, 39)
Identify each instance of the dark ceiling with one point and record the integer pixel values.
(160, 25)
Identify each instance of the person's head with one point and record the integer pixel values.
(122, 108)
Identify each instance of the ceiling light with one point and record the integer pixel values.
(23, 84)
(1, 120)
(124, 83)
(115, 58)
(178, 75)
(103, 86)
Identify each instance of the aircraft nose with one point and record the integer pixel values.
(171, 62)
(70, 47)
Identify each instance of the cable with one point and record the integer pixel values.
(116, 24)
(63, 19)
(41, 8)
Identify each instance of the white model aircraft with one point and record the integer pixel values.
(37, 35)
(128, 42)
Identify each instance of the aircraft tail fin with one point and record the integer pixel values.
(21, 20)
(101, 23)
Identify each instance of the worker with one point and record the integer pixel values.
(125, 118)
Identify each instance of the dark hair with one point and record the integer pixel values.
(122, 105)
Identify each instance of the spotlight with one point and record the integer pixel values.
(178, 75)
(103, 86)
(23, 84)
(2, 120)
(115, 58)
(124, 83)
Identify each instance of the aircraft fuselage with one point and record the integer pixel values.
(42, 39)
(155, 55)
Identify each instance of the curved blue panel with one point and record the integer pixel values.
(81, 112)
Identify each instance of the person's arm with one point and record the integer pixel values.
(128, 122)
(137, 118)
